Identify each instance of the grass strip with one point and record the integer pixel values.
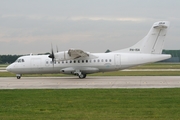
(138, 73)
(158, 66)
(92, 104)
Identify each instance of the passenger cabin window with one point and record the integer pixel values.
(106, 60)
(78, 61)
(86, 61)
(82, 61)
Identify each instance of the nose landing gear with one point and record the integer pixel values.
(18, 76)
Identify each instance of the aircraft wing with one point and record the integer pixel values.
(77, 53)
(73, 54)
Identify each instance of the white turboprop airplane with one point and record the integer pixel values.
(78, 62)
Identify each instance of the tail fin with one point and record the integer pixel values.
(153, 42)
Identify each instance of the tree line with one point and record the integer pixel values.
(5, 59)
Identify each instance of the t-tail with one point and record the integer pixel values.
(152, 43)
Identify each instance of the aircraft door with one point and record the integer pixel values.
(117, 61)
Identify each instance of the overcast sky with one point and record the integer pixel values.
(30, 26)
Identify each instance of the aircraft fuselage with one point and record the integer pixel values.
(42, 64)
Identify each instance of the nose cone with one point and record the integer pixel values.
(9, 68)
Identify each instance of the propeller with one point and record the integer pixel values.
(57, 48)
(52, 55)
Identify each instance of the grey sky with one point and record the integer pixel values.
(30, 26)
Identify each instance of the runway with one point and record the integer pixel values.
(90, 82)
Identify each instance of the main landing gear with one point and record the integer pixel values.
(81, 76)
(18, 76)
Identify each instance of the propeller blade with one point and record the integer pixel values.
(52, 55)
(57, 48)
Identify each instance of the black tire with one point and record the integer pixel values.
(81, 76)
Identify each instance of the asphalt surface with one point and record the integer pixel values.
(90, 82)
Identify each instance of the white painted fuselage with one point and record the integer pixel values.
(41, 64)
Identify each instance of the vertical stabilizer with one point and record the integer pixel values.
(153, 42)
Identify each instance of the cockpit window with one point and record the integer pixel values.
(20, 60)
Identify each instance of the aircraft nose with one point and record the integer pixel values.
(8, 68)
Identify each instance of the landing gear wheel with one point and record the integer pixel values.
(81, 76)
(18, 76)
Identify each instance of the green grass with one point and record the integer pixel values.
(90, 104)
(138, 73)
(159, 66)
(3, 65)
